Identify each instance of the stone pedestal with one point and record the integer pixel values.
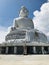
(6, 50)
(34, 49)
(15, 50)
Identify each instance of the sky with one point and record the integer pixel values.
(38, 11)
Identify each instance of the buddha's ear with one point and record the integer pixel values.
(19, 12)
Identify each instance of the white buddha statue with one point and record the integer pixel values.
(23, 29)
(23, 21)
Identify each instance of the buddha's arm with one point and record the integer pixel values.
(15, 23)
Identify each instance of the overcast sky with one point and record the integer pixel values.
(38, 11)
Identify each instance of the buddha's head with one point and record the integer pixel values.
(23, 12)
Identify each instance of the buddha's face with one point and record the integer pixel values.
(23, 12)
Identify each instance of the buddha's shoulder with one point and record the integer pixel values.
(23, 18)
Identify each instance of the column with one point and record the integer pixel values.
(42, 50)
(15, 50)
(6, 50)
(48, 50)
(25, 50)
(34, 49)
(0, 50)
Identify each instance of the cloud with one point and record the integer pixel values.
(48, 0)
(41, 19)
(3, 32)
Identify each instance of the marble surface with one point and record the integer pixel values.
(24, 59)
